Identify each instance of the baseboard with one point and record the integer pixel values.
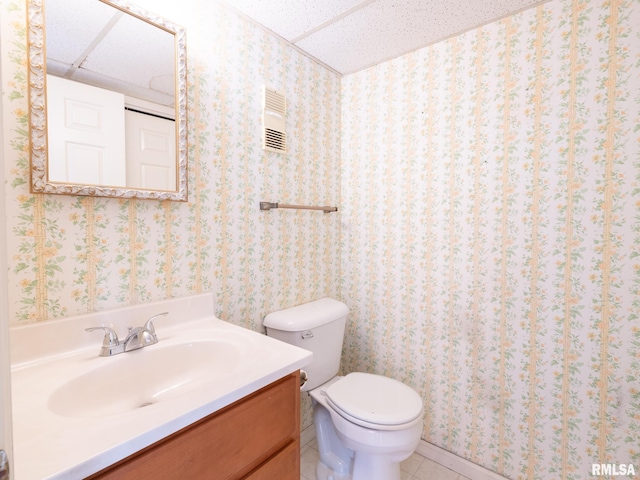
(307, 435)
(456, 463)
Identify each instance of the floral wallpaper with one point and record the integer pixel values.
(488, 233)
(71, 255)
(491, 230)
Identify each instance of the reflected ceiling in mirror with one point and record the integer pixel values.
(110, 79)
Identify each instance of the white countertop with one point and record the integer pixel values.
(51, 446)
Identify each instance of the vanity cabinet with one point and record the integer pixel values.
(255, 438)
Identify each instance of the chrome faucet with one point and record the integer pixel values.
(137, 337)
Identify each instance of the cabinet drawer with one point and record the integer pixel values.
(284, 466)
(228, 444)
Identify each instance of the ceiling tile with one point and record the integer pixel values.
(350, 35)
(292, 18)
(70, 30)
(387, 29)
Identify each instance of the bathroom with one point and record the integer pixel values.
(486, 241)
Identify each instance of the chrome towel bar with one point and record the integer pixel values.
(270, 205)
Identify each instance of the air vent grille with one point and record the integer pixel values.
(274, 136)
(274, 101)
(275, 140)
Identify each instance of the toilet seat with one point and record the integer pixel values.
(374, 401)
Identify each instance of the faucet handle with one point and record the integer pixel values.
(110, 336)
(149, 323)
(110, 343)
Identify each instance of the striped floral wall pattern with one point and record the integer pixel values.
(497, 272)
(71, 255)
(491, 236)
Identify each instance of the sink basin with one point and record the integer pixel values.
(144, 377)
(75, 413)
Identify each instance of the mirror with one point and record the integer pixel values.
(107, 100)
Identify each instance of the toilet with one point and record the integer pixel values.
(365, 424)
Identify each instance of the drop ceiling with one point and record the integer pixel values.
(95, 43)
(351, 35)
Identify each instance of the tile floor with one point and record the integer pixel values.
(416, 467)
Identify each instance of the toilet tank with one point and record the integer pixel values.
(316, 326)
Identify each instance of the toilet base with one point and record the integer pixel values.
(325, 473)
(365, 467)
(374, 467)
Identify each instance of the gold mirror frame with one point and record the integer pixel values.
(36, 57)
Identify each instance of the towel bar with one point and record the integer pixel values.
(270, 205)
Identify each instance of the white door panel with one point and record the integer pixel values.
(84, 163)
(85, 134)
(151, 152)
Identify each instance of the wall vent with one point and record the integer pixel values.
(274, 137)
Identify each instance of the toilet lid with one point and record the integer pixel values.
(375, 399)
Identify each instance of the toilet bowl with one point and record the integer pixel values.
(369, 434)
(365, 424)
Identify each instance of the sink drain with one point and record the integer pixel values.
(145, 404)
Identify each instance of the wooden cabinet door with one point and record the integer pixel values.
(284, 466)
